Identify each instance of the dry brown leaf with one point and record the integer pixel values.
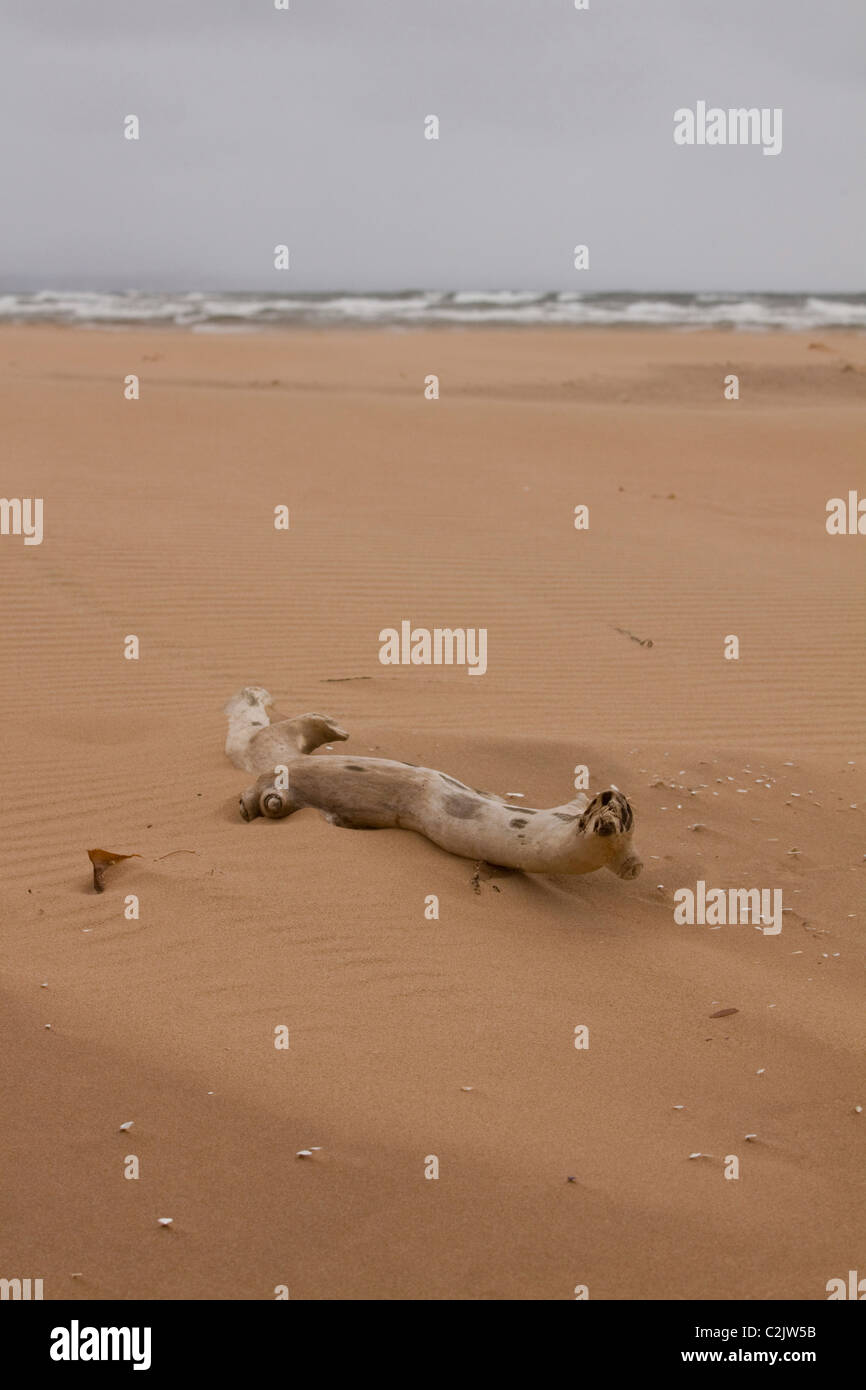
(102, 859)
(723, 1013)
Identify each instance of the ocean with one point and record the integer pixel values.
(225, 312)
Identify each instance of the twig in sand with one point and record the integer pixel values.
(641, 641)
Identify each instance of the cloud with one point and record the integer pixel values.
(306, 127)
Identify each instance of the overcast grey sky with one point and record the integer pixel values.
(307, 127)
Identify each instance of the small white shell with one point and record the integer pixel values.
(304, 1153)
(127, 1124)
(164, 1220)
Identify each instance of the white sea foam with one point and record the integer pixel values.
(218, 311)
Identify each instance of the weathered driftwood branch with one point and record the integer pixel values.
(374, 793)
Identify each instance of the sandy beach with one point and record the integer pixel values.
(559, 1166)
